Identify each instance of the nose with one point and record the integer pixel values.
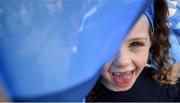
(122, 59)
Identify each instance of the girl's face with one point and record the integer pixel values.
(121, 73)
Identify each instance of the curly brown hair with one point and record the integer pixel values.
(160, 45)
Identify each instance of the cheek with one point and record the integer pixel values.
(106, 71)
(140, 59)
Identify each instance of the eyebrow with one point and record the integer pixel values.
(138, 38)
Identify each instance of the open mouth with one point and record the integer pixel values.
(122, 79)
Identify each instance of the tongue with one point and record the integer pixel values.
(122, 79)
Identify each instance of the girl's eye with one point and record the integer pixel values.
(135, 44)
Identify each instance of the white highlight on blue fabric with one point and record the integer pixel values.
(88, 14)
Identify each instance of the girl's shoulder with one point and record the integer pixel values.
(168, 92)
(178, 85)
(147, 74)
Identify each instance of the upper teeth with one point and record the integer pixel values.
(128, 72)
(121, 73)
(117, 74)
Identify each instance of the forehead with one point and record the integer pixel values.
(140, 29)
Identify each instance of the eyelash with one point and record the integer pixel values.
(135, 44)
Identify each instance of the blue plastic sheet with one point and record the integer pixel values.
(59, 46)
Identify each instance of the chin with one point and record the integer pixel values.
(125, 88)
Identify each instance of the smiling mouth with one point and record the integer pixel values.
(122, 79)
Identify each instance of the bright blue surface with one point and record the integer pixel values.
(175, 46)
(52, 46)
(174, 21)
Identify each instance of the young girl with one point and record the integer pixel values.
(126, 77)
